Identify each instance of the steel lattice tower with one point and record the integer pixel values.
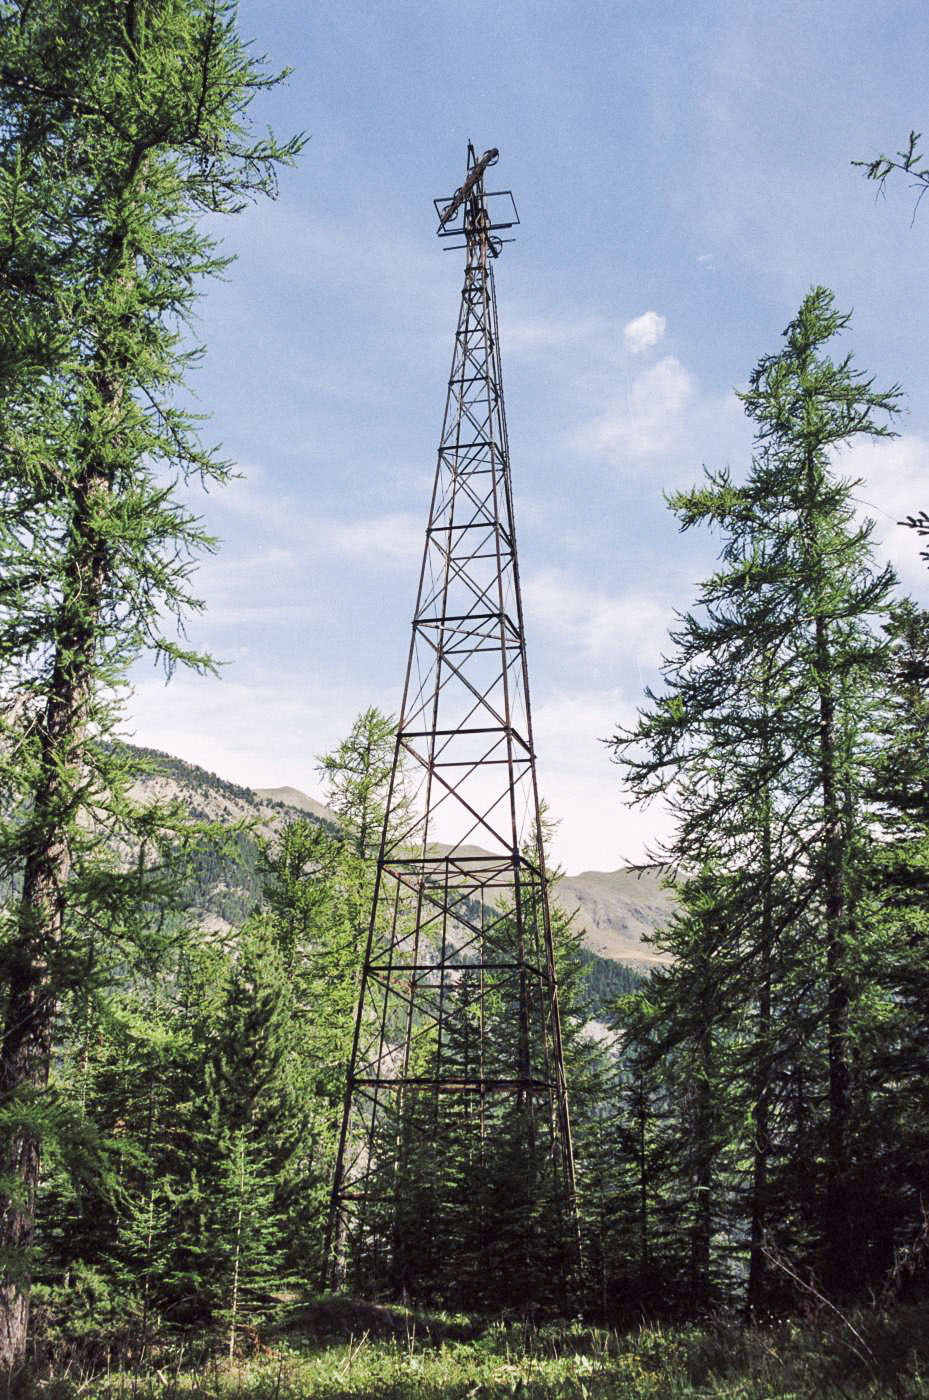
(455, 1154)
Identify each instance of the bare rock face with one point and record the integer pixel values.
(618, 910)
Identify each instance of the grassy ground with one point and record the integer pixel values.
(338, 1350)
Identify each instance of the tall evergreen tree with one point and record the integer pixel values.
(894, 1122)
(319, 881)
(120, 124)
(304, 902)
(805, 406)
(356, 777)
(761, 737)
(259, 1119)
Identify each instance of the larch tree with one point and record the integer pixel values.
(761, 736)
(897, 1111)
(356, 776)
(360, 783)
(121, 122)
(806, 406)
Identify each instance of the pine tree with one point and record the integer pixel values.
(760, 741)
(356, 776)
(202, 1099)
(303, 902)
(259, 1126)
(805, 406)
(894, 1124)
(125, 1087)
(120, 124)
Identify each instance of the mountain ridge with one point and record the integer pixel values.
(616, 912)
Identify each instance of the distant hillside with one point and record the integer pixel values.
(613, 910)
(223, 886)
(617, 910)
(292, 797)
(211, 798)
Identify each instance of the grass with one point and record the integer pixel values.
(336, 1349)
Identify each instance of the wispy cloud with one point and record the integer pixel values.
(600, 829)
(294, 532)
(595, 624)
(644, 419)
(261, 732)
(894, 474)
(392, 538)
(538, 333)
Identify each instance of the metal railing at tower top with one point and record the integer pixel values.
(454, 1175)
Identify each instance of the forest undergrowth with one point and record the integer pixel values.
(338, 1348)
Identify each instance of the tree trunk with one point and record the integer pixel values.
(838, 1242)
(703, 1125)
(234, 1310)
(642, 1164)
(761, 1148)
(831, 873)
(761, 1108)
(28, 967)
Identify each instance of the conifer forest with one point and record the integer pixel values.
(749, 1117)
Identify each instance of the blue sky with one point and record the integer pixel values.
(683, 176)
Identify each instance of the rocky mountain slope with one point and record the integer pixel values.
(291, 797)
(615, 911)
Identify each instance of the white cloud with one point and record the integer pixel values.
(265, 728)
(283, 538)
(529, 333)
(630, 626)
(391, 538)
(260, 733)
(644, 332)
(647, 418)
(895, 484)
(387, 537)
(600, 829)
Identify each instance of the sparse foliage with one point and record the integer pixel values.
(909, 161)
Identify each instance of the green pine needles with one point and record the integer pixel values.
(122, 122)
(762, 743)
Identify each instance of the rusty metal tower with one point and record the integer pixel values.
(455, 1173)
